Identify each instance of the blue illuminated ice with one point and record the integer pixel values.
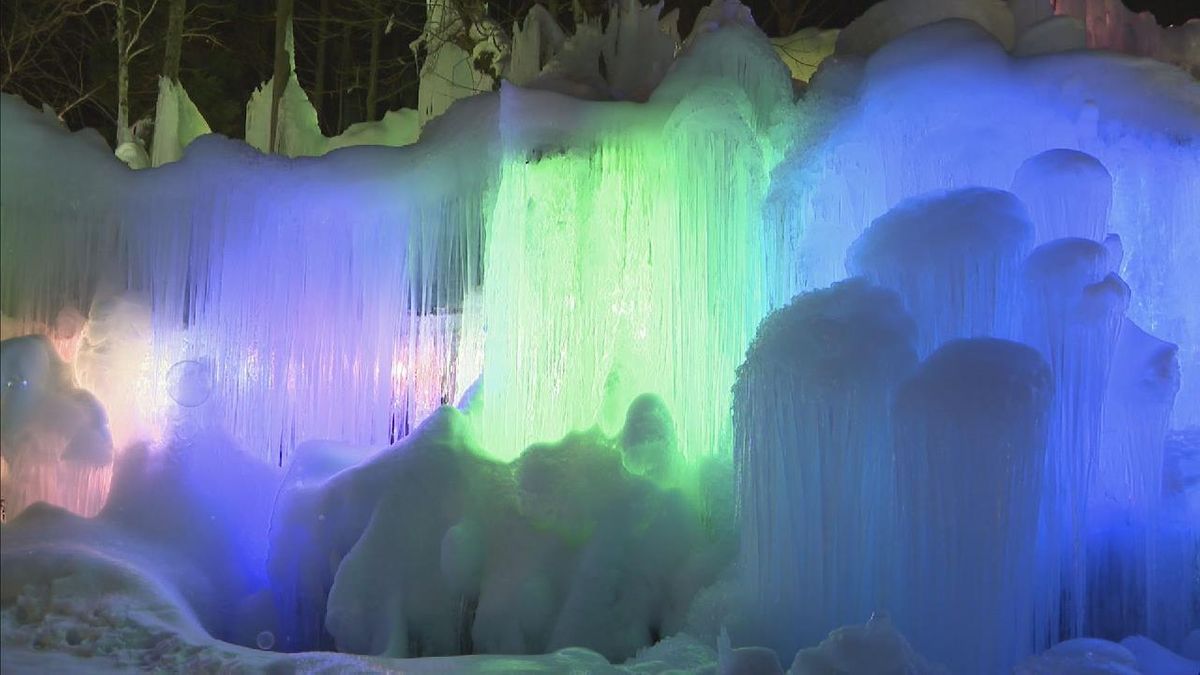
(815, 483)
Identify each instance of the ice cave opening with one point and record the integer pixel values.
(671, 354)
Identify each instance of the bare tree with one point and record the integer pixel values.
(43, 50)
(373, 67)
(177, 9)
(130, 24)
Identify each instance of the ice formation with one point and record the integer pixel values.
(1109, 24)
(970, 448)
(177, 123)
(985, 434)
(525, 557)
(805, 462)
(55, 443)
(952, 257)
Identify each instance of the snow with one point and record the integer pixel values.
(884, 21)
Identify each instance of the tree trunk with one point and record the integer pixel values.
(373, 71)
(283, 16)
(344, 64)
(124, 135)
(174, 47)
(322, 64)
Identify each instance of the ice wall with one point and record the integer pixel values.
(596, 252)
(325, 297)
(1112, 25)
(812, 446)
(945, 106)
(601, 285)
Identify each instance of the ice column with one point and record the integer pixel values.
(954, 258)
(814, 467)
(970, 430)
(1125, 515)
(1073, 311)
(1068, 194)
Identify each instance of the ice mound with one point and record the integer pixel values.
(562, 547)
(55, 443)
(873, 648)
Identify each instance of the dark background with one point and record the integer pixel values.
(227, 51)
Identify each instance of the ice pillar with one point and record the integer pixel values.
(1068, 194)
(970, 430)
(812, 431)
(954, 258)
(1125, 515)
(1072, 314)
